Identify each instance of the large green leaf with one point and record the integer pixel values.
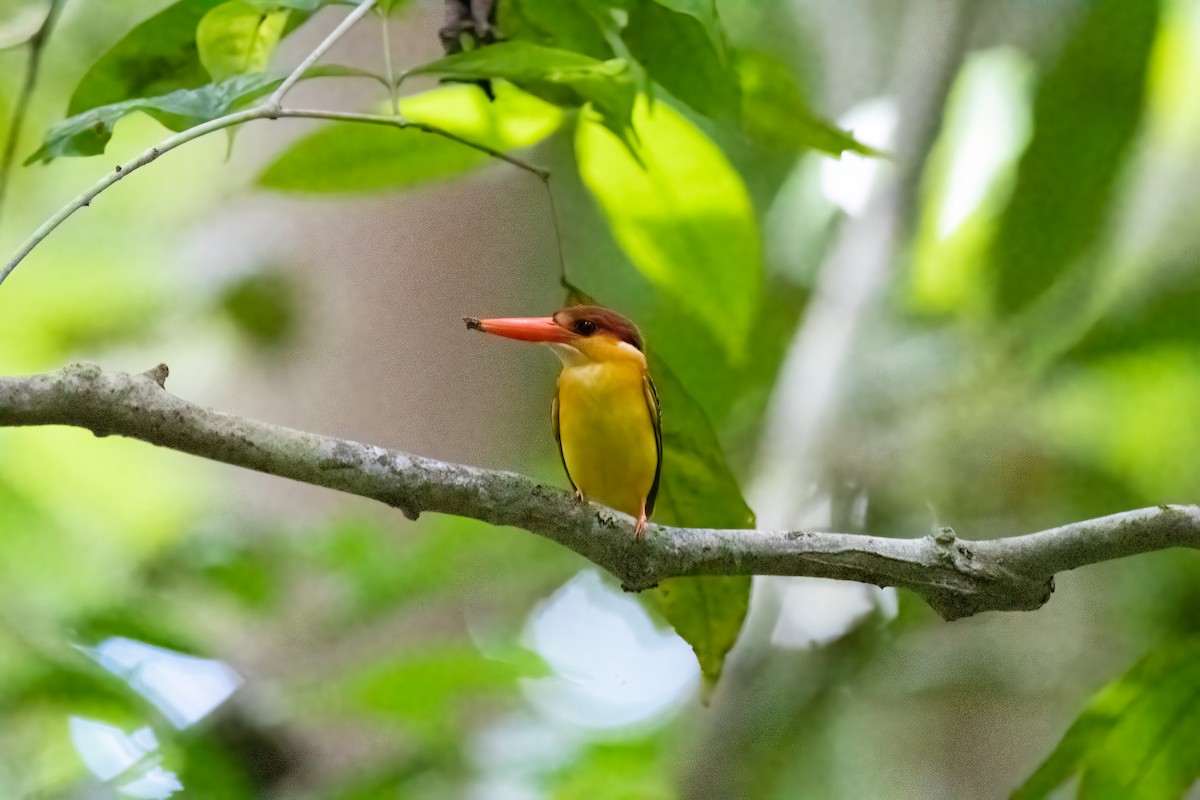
(698, 490)
(160, 55)
(775, 113)
(685, 55)
(1139, 737)
(559, 76)
(1086, 111)
(352, 157)
(682, 215)
(237, 38)
(565, 24)
(157, 57)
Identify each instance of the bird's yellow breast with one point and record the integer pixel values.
(607, 434)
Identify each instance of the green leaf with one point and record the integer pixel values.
(617, 770)
(352, 157)
(1139, 737)
(553, 23)
(160, 55)
(237, 38)
(264, 307)
(684, 54)
(1161, 312)
(698, 490)
(88, 134)
(775, 113)
(1086, 112)
(558, 76)
(157, 57)
(682, 215)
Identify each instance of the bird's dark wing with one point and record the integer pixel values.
(656, 422)
(558, 439)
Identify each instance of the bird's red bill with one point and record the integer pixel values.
(525, 329)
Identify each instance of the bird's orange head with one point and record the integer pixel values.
(578, 334)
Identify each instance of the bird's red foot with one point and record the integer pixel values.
(640, 528)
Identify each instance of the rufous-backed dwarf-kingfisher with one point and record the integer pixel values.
(605, 412)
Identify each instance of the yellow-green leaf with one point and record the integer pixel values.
(683, 215)
(237, 38)
(352, 157)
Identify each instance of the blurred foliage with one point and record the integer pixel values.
(1086, 110)
(1032, 360)
(1137, 738)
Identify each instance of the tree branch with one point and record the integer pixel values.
(956, 577)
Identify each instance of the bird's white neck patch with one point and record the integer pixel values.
(568, 355)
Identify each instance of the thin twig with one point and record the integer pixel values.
(37, 45)
(956, 576)
(345, 25)
(563, 280)
(393, 89)
(121, 172)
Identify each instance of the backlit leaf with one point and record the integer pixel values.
(236, 38)
(683, 216)
(352, 157)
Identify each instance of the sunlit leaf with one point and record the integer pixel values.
(1138, 739)
(776, 114)
(698, 490)
(559, 76)
(683, 216)
(237, 38)
(1086, 111)
(352, 157)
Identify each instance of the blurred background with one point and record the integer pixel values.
(993, 328)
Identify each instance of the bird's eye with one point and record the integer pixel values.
(585, 327)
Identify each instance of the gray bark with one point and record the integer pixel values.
(957, 577)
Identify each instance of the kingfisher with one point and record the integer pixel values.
(605, 413)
